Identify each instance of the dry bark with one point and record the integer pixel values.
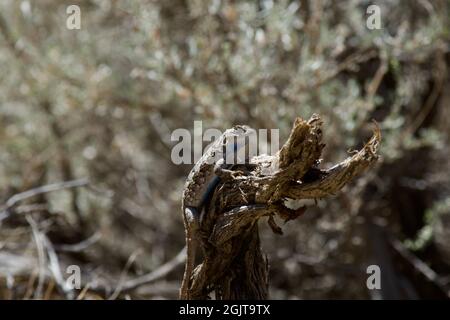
(232, 263)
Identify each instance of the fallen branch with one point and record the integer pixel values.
(19, 197)
(157, 274)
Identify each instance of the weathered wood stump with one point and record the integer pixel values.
(232, 264)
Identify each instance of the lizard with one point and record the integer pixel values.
(200, 185)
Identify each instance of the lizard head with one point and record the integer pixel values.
(240, 144)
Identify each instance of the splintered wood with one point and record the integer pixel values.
(232, 264)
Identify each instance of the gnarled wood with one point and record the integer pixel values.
(233, 265)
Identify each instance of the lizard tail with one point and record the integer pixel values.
(189, 266)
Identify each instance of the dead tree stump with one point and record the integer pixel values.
(233, 265)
